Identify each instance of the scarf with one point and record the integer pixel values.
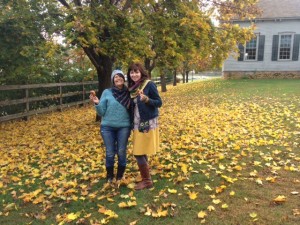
(144, 126)
(135, 89)
(122, 96)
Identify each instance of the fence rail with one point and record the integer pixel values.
(27, 100)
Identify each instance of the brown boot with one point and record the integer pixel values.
(146, 178)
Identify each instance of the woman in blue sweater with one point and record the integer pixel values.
(146, 102)
(113, 107)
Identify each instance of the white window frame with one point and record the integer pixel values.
(291, 47)
(256, 50)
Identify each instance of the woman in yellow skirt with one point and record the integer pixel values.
(146, 102)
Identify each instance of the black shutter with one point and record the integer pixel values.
(241, 50)
(261, 48)
(275, 47)
(296, 47)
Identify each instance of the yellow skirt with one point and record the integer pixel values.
(145, 143)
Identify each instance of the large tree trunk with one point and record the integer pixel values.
(104, 74)
(163, 83)
(104, 71)
(149, 66)
(174, 78)
(187, 76)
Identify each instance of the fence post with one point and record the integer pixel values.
(60, 97)
(83, 94)
(27, 102)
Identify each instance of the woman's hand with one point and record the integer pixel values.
(94, 99)
(144, 98)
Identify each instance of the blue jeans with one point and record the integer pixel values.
(115, 141)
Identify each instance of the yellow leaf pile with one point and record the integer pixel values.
(60, 157)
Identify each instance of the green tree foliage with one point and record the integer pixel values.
(21, 41)
(205, 44)
(183, 36)
(107, 31)
(29, 53)
(163, 33)
(167, 34)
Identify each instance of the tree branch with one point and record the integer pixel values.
(64, 3)
(77, 2)
(92, 56)
(127, 5)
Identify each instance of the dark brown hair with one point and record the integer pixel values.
(136, 67)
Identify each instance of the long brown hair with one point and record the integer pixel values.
(136, 67)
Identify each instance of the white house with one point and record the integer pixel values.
(274, 52)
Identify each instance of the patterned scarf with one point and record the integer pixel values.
(144, 126)
(134, 90)
(122, 96)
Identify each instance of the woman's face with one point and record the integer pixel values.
(118, 81)
(135, 75)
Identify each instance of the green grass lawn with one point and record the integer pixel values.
(230, 155)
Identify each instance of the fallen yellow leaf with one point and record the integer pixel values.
(192, 195)
(133, 222)
(216, 201)
(279, 199)
(211, 208)
(72, 216)
(296, 212)
(224, 206)
(202, 214)
(172, 191)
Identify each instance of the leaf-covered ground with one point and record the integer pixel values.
(229, 155)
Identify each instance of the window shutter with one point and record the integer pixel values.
(296, 47)
(241, 50)
(261, 48)
(275, 47)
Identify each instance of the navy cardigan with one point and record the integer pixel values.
(149, 110)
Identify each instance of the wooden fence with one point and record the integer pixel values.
(27, 100)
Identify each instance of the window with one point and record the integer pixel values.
(251, 49)
(285, 46)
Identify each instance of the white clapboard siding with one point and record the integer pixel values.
(267, 28)
(278, 16)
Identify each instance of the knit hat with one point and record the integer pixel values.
(115, 72)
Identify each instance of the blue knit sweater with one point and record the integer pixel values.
(112, 112)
